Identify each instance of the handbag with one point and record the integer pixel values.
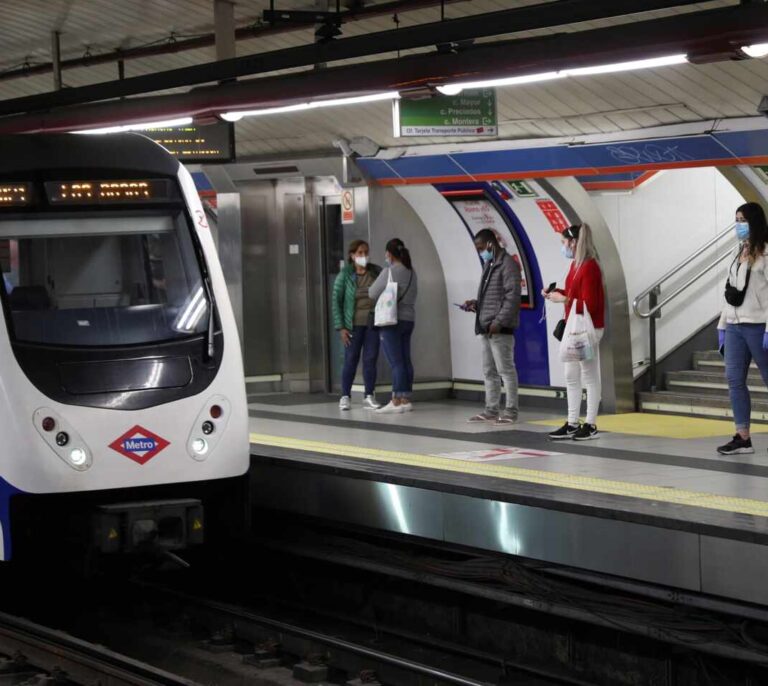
(385, 312)
(559, 330)
(579, 339)
(734, 296)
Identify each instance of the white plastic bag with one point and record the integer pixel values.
(579, 340)
(385, 313)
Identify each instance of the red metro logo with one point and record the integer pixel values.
(139, 444)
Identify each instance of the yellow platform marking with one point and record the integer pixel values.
(664, 494)
(661, 426)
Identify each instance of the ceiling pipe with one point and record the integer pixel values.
(694, 34)
(209, 39)
(453, 31)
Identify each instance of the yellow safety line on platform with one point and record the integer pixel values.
(660, 425)
(664, 494)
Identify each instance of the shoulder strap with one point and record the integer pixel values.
(407, 287)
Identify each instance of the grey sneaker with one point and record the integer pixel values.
(370, 403)
(508, 416)
(484, 416)
(345, 403)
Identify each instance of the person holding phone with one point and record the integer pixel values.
(497, 315)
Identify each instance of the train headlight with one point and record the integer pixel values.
(208, 428)
(78, 457)
(62, 438)
(200, 446)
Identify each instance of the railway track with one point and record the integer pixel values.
(38, 655)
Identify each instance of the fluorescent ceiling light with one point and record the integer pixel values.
(756, 50)
(143, 126)
(627, 66)
(456, 88)
(314, 104)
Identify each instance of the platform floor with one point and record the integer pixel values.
(657, 471)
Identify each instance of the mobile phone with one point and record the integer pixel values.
(551, 287)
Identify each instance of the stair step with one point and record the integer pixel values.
(709, 382)
(698, 405)
(708, 360)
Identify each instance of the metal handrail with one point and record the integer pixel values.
(654, 291)
(657, 284)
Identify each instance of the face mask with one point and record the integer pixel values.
(387, 260)
(742, 230)
(486, 255)
(566, 250)
(361, 261)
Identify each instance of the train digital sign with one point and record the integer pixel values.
(108, 191)
(197, 143)
(15, 194)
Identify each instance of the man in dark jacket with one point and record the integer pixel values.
(497, 309)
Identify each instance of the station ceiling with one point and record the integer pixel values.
(93, 33)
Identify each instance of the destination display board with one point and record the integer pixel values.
(197, 143)
(470, 113)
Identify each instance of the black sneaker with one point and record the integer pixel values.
(565, 431)
(586, 432)
(737, 446)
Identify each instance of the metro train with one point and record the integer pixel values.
(121, 382)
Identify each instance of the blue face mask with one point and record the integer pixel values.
(566, 250)
(742, 230)
(486, 255)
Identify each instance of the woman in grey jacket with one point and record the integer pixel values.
(742, 333)
(396, 340)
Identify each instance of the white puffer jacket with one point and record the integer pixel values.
(754, 309)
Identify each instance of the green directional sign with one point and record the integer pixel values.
(470, 113)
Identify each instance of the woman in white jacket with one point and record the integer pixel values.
(742, 334)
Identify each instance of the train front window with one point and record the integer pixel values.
(102, 281)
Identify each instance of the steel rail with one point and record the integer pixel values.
(234, 613)
(82, 662)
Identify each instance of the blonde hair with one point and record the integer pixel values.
(585, 246)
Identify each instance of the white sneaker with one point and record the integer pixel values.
(345, 403)
(407, 407)
(370, 403)
(390, 408)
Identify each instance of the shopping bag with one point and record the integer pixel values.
(385, 313)
(579, 340)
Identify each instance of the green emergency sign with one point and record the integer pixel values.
(470, 113)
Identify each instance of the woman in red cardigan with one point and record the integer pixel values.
(583, 284)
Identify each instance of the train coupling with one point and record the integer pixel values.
(157, 525)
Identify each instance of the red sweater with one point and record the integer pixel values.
(585, 284)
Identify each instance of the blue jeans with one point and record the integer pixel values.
(743, 343)
(397, 349)
(365, 339)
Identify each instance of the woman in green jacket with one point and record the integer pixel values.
(353, 319)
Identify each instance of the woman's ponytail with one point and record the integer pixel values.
(397, 249)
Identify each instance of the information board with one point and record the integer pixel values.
(197, 143)
(471, 113)
(481, 213)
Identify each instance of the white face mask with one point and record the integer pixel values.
(361, 261)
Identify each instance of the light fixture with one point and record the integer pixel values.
(456, 88)
(627, 66)
(314, 104)
(756, 50)
(141, 126)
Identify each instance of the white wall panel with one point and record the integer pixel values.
(656, 227)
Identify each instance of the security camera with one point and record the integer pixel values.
(762, 108)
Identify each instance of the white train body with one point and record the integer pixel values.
(110, 360)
